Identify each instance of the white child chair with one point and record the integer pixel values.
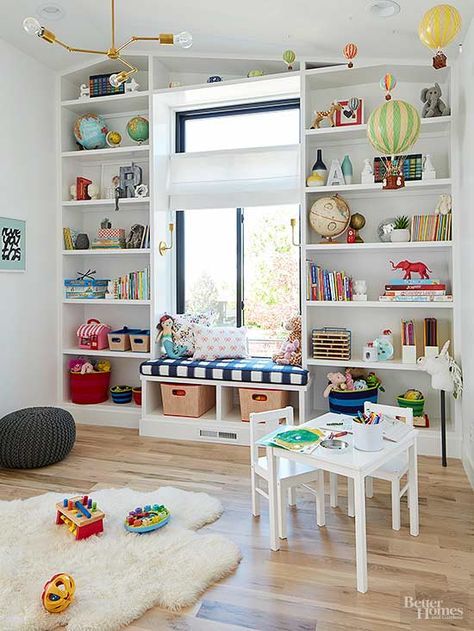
(394, 470)
(290, 474)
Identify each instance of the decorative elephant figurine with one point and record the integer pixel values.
(408, 267)
(433, 105)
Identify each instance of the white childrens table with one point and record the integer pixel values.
(353, 464)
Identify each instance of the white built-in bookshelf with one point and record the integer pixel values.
(178, 181)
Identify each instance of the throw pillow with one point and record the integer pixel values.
(183, 329)
(220, 343)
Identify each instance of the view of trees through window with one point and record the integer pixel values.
(239, 264)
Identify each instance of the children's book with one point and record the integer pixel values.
(303, 440)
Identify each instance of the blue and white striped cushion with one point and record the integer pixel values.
(253, 370)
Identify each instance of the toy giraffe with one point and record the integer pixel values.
(326, 114)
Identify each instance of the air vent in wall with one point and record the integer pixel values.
(207, 433)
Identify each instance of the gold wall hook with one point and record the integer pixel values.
(293, 223)
(162, 247)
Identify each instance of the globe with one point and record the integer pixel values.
(330, 216)
(138, 129)
(90, 131)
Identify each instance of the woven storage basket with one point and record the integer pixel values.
(351, 401)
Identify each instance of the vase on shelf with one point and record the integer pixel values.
(347, 170)
(400, 235)
(319, 171)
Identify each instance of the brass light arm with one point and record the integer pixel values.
(163, 38)
(293, 223)
(162, 246)
(71, 49)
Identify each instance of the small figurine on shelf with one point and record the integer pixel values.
(93, 191)
(433, 105)
(85, 92)
(351, 235)
(369, 353)
(165, 334)
(429, 172)
(445, 204)
(408, 267)
(106, 224)
(367, 175)
(359, 288)
(132, 85)
(327, 115)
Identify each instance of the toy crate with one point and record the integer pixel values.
(258, 400)
(120, 340)
(191, 400)
(140, 342)
(92, 336)
(89, 388)
(331, 343)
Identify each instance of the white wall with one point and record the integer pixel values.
(28, 307)
(465, 207)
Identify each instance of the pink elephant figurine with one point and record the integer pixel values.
(408, 267)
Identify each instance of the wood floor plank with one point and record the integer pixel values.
(309, 585)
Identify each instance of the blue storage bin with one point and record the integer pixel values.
(352, 401)
(121, 394)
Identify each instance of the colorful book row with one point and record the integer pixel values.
(431, 227)
(325, 285)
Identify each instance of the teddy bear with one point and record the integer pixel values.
(337, 381)
(290, 351)
(433, 105)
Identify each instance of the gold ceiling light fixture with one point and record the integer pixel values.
(183, 40)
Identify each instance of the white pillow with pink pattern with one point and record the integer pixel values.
(220, 342)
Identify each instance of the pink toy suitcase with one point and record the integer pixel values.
(92, 336)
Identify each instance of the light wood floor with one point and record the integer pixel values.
(310, 584)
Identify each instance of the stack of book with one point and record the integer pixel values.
(69, 236)
(109, 239)
(132, 286)
(431, 227)
(325, 285)
(85, 289)
(415, 290)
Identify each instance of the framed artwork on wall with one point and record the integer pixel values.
(12, 245)
(352, 112)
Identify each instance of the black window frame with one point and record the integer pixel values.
(180, 147)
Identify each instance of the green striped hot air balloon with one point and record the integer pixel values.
(393, 127)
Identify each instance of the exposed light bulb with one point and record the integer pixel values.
(32, 26)
(116, 80)
(183, 40)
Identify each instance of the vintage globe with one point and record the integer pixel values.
(330, 216)
(138, 129)
(91, 131)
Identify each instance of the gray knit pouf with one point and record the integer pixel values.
(35, 437)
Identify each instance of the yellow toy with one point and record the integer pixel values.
(58, 593)
(103, 365)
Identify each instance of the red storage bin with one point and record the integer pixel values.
(89, 388)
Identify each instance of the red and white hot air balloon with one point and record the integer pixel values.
(350, 51)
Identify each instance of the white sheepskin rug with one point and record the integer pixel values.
(119, 575)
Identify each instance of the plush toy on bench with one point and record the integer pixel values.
(290, 352)
(169, 348)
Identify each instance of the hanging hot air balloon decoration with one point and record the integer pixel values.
(350, 52)
(387, 83)
(438, 28)
(353, 104)
(289, 57)
(392, 129)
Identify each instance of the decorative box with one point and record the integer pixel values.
(331, 343)
(187, 400)
(258, 400)
(120, 340)
(140, 342)
(92, 336)
(111, 233)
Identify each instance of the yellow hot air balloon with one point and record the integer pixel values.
(438, 28)
(289, 57)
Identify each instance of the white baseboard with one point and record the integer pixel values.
(468, 467)
(111, 417)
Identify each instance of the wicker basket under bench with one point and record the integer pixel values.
(221, 423)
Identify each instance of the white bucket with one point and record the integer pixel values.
(367, 437)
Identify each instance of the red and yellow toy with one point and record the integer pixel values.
(81, 515)
(58, 593)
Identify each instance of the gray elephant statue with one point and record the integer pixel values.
(134, 239)
(433, 105)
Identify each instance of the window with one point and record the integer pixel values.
(239, 262)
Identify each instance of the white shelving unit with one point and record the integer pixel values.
(370, 260)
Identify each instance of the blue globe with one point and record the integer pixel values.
(91, 131)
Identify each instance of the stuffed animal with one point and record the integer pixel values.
(349, 380)
(433, 105)
(103, 365)
(360, 384)
(336, 380)
(445, 204)
(290, 351)
(75, 365)
(445, 373)
(165, 327)
(87, 368)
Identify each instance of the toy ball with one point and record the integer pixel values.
(138, 129)
(91, 131)
(58, 593)
(413, 395)
(147, 519)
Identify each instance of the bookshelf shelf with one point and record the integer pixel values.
(103, 302)
(118, 153)
(105, 105)
(359, 363)
(440, 184)
(376, 304)
(368, 247)
(106, 353)
(87, 204)
(109, 252)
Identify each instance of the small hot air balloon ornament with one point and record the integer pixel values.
(289, 57)
(353, 104)
(387, 83)
(438, 27)
(350, 52)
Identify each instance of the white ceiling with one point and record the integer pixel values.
(313, 28)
